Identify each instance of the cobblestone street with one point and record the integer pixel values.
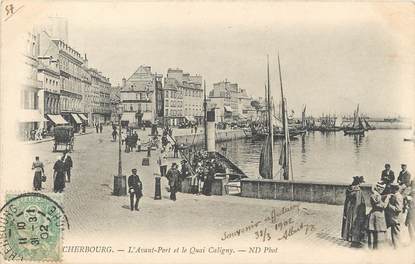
(95, 215)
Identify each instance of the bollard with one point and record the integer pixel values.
(157, 191)
(149, 151)
(120, 185)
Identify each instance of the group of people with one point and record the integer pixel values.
(61, 173)
(35, 134)
(389, 200)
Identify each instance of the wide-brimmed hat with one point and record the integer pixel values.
(379, 187)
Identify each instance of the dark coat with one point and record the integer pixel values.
(354, 215)
(404, 178)
(68, 162)
(387, 178)
(173, 177)
(135, 183)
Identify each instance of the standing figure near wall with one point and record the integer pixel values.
(354, 213)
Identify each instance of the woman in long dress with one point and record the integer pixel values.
(39, 171)
(354, 214)
(59, 175)
(376, 226)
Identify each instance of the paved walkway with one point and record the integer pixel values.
(97, 217)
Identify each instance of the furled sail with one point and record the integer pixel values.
(265, 160)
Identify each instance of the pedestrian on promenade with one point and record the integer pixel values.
(185, 172)
(59, 175)
(393, 213)
(209, 177)
(68, 164)
(162, 162)
(97, 127)
(134, 140)
(354, 213)
(404, 176)
(387, 177)
(100, 128)
(135, 187)
(114, 135)
(173, 176)
(138, 144)
(376, 225)
(175, 150)
(39, 172)
(123, 136)
(409, 206)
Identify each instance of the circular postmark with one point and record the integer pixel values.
(31, 226)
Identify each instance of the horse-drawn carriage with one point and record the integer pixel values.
(64, 136)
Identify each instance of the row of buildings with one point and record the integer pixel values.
(60, 86)
(178, 98)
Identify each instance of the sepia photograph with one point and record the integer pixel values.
(207, 131)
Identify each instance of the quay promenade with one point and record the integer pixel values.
(97, 216)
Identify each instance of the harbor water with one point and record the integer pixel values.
(330, 157)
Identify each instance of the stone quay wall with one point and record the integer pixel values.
(313, 192)
(221, 136)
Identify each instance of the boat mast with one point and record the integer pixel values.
(286, 165)
(270, 127)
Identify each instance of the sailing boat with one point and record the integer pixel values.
(266, 165)
(357, 127)
(285, 157)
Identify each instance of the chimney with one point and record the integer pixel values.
(124, 82)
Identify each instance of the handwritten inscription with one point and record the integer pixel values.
(10, 11)
(281, 224)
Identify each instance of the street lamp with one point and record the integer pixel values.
(120, 181)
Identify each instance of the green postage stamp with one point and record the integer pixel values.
(31, 226)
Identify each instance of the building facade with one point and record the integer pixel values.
(138, 97)
(100, 89)
(183, 97)
(49, 95)
(225, 97)
(29, 117)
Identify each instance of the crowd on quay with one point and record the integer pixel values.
(61, 173)
(391, 202)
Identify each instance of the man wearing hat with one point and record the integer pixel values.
(393, 212)
(387, 177)
(404, 176)
(135, 188)
(173, 176)
(376, 223)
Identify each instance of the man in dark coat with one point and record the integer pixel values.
(354, 213)
(209, 177)
(173, 176)
(68, 164)
(404, 176)
(135, 188)
(387, 178)
(59, 175)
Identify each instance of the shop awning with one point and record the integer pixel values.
(128, 116)
(147, 116)
(76, 118)
(57, 119)
(190, 118)
(83, 117)
(228, 108)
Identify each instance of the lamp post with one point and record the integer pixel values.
(120, 181)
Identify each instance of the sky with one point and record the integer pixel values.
(333, 55)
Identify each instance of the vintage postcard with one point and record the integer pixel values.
(207, 131)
